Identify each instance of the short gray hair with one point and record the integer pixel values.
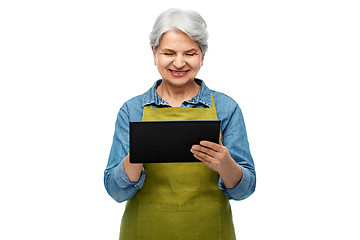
(188, 21)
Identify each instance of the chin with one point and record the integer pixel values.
(178, 82)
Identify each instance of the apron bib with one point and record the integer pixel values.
(178, 200)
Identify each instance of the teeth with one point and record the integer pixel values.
(178, 72)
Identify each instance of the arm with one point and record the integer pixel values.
(133, 171)
(117, 183)
(217, 157)
(231, 158)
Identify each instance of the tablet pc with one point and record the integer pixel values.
(169, 141)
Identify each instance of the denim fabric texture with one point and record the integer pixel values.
(117, 183)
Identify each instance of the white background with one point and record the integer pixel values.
(66, 67)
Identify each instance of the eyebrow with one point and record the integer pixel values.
(167, 49)
(190, 50)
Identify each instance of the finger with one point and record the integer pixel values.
(204, 150)
(205, 159)
(199, 156)
(211, 145)
(207, 163)
(202, 157)
(199, 153)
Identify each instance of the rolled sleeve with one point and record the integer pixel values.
(242, 190)
(119, 186)
(123, 181)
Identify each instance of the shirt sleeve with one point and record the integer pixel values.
(116, 182)
(236, 141)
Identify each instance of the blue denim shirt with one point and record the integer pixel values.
(117, 183)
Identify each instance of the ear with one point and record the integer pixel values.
(202, 58)
(154, 55)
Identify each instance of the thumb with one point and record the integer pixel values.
(220, 140)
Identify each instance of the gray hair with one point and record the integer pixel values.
(188, 21)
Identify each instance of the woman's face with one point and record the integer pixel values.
(178, 58)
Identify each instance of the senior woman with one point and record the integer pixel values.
(181, 200)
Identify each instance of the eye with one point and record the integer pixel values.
(190, 54)
(168, 54)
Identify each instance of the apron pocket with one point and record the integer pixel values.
(174, 222)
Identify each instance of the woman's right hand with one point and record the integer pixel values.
(132, 170)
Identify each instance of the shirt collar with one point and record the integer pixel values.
(203, 96)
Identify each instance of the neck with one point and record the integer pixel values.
(174, 95)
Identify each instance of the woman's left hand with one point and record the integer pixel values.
(212, 154)
(217, 157)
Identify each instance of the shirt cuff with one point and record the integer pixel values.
(123, 181)
(240, 190)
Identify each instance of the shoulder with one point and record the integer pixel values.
(144, 99)
(223, 101)
(133, 108)
(227, 110)
(134, 101)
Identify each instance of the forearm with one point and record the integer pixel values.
(231, 173)
(245, 187)
(133, 171)
(119, 186)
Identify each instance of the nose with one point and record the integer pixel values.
(179, 62)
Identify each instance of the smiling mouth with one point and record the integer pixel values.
(178, 73)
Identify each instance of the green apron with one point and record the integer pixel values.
(178, 200)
